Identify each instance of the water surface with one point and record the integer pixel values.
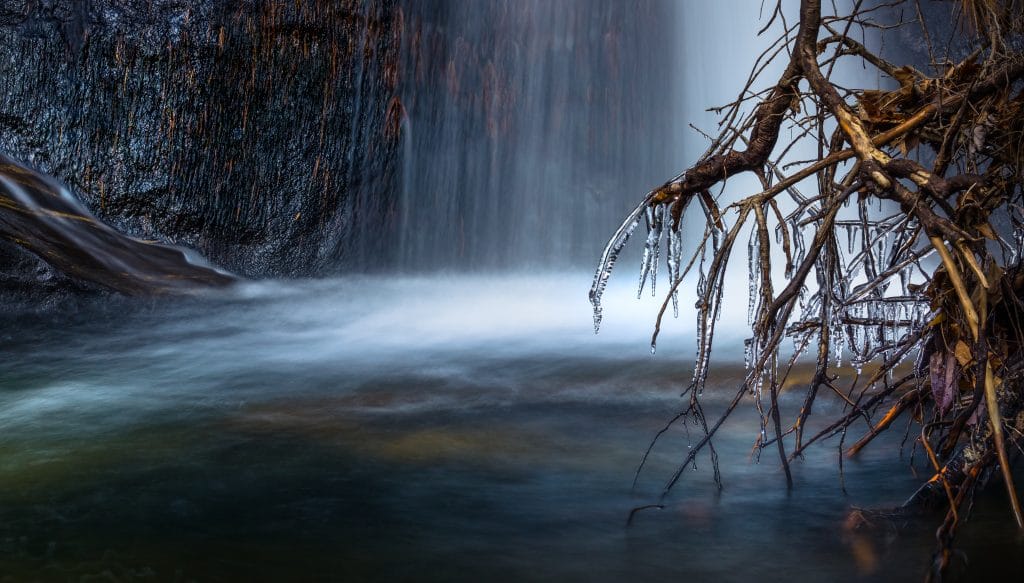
(422, 429)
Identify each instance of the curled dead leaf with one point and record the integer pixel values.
(963, 353)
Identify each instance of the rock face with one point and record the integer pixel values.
(255, 132)
(299, 137)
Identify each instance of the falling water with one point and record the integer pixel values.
(534, 127)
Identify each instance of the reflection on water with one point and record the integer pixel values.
(411, 429)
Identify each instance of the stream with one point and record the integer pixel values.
(442, 428)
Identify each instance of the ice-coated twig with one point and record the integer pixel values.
(611, 254)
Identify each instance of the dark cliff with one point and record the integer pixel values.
(299, 137)
(254, 132)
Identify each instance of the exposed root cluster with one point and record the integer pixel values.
(908, 249)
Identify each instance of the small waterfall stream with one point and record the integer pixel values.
(44, 217)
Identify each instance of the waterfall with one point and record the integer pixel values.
(532, 127)
(399, 135)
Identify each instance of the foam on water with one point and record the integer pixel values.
(495, 337)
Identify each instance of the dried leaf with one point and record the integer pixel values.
(905, 75)
(963, 353)
(942, 371)
(965, 70)
(995, 273)
(986, 231)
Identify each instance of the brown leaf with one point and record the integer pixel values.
(905, 75)
(986, 231)
(995, 273)
(963, 353)
(942, 372)
(965, 70)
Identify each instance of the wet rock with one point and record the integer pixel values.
(250, 131)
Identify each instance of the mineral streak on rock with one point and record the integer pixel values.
(252, 131)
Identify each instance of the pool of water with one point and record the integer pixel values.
(421, 429)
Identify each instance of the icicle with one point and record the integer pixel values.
(893, 243)
(610, 255)
(799, 245)
(705, 319)
(858, 346)
(649, 245)
(906, 277)
(887, 326)
(813, 303)
(675, 245)
(1018, 235)
(913, 313)
(673, 259)
(837, 343)
(753, 272)
(660, 212)
(897, 322)
(875, 313)
(851, 273)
